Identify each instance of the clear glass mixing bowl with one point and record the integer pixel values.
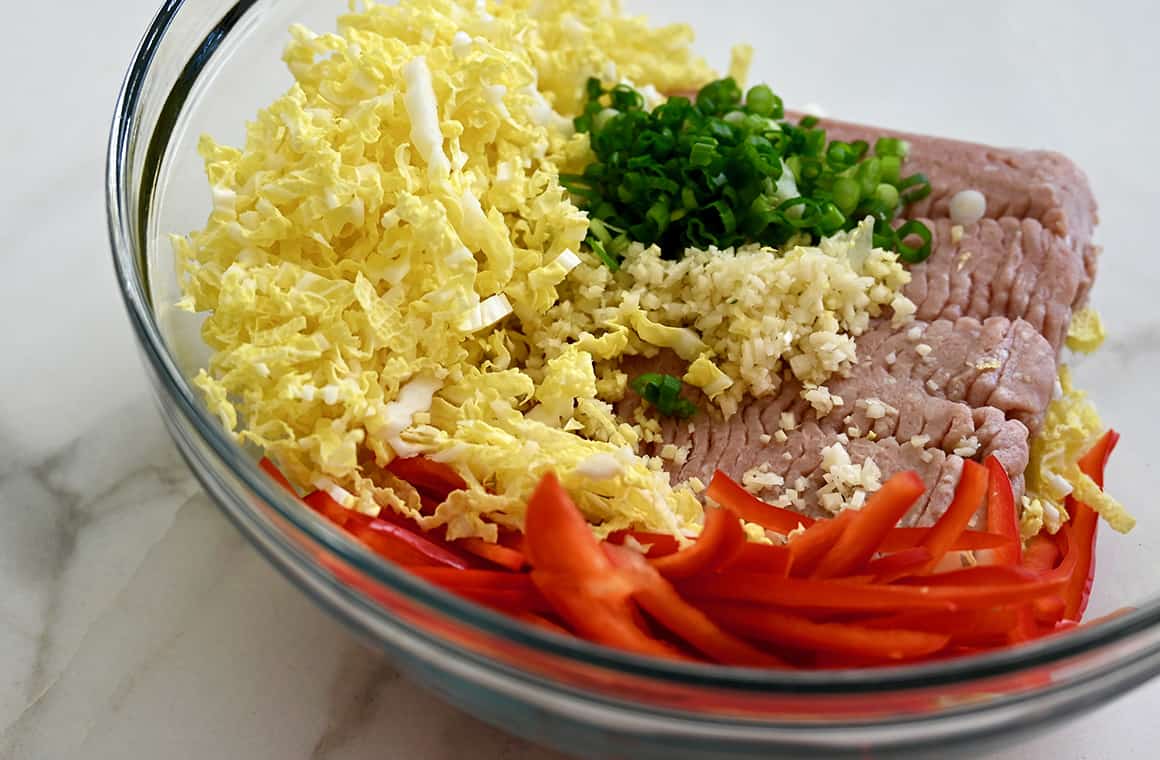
(205, 66)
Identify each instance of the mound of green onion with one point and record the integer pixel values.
(726, 169)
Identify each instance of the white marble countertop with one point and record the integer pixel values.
(136, 622)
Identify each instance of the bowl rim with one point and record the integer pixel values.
(126, 228)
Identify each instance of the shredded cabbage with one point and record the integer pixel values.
(388, 226)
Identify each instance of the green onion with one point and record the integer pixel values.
(909, 253)
(847, 193)
(702, 153)
(891, 146)
(888, 195)
(761, 101)
(891, 170)
(914, 188)
(832, 219)
(663, 392)
(708, 172)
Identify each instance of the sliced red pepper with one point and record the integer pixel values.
(806, 594)
(276, 475)
(770, 561)
(558, 537)
(1002, 515)
(449, 577)
(662, 602)
(986, 628)
(321, 503)
(894, 566)
(576, 577)
(497, 554)
(774, 627)
(726, 492)
(658, 544)
(387, 539)
(1081, 531)
(510, 601)
(509, 592)
(1026, 628)
(427, 475)
(977, 576)
(1041, 554)
(969, 540)
(973, 597)
(721, 539)
(401, 545)
(969, 495)
(1049, 610)
(1080, 558)
(809, 548)
(869, 525)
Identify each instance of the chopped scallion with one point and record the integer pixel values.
(708, 172)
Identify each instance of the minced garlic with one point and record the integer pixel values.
(761, 478)
(740, 317)
(846, 484)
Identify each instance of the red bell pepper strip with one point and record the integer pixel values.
(497, 554)
(1049, 610)
(662, 603)
(388, 539)
(969, 496)
(977, 576)
(1002, 515)
(869, 525)
(1041, 554)
(321, 503)
(774, 627)
(577, 578)
(658, 544)
(509, 592)
(427, 475)
(276, 475)
(1026, 628)
(963, 626)
(891, 567)
(969, 540)
(1080, 558)
(721, 539)
(726, 492)
(500, 580)
(974, 597)
(849, 596)
(1081, 530)
(809, 548)
(807, 594)
(770, 561)
(510, 601)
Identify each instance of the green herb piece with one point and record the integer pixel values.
(663, 393)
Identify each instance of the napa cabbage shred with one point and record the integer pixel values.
(381, 222)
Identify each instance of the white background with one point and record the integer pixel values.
(133, 620)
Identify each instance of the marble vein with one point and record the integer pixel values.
(358, 685)
(112, 480)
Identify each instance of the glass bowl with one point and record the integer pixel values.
(206, 66)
